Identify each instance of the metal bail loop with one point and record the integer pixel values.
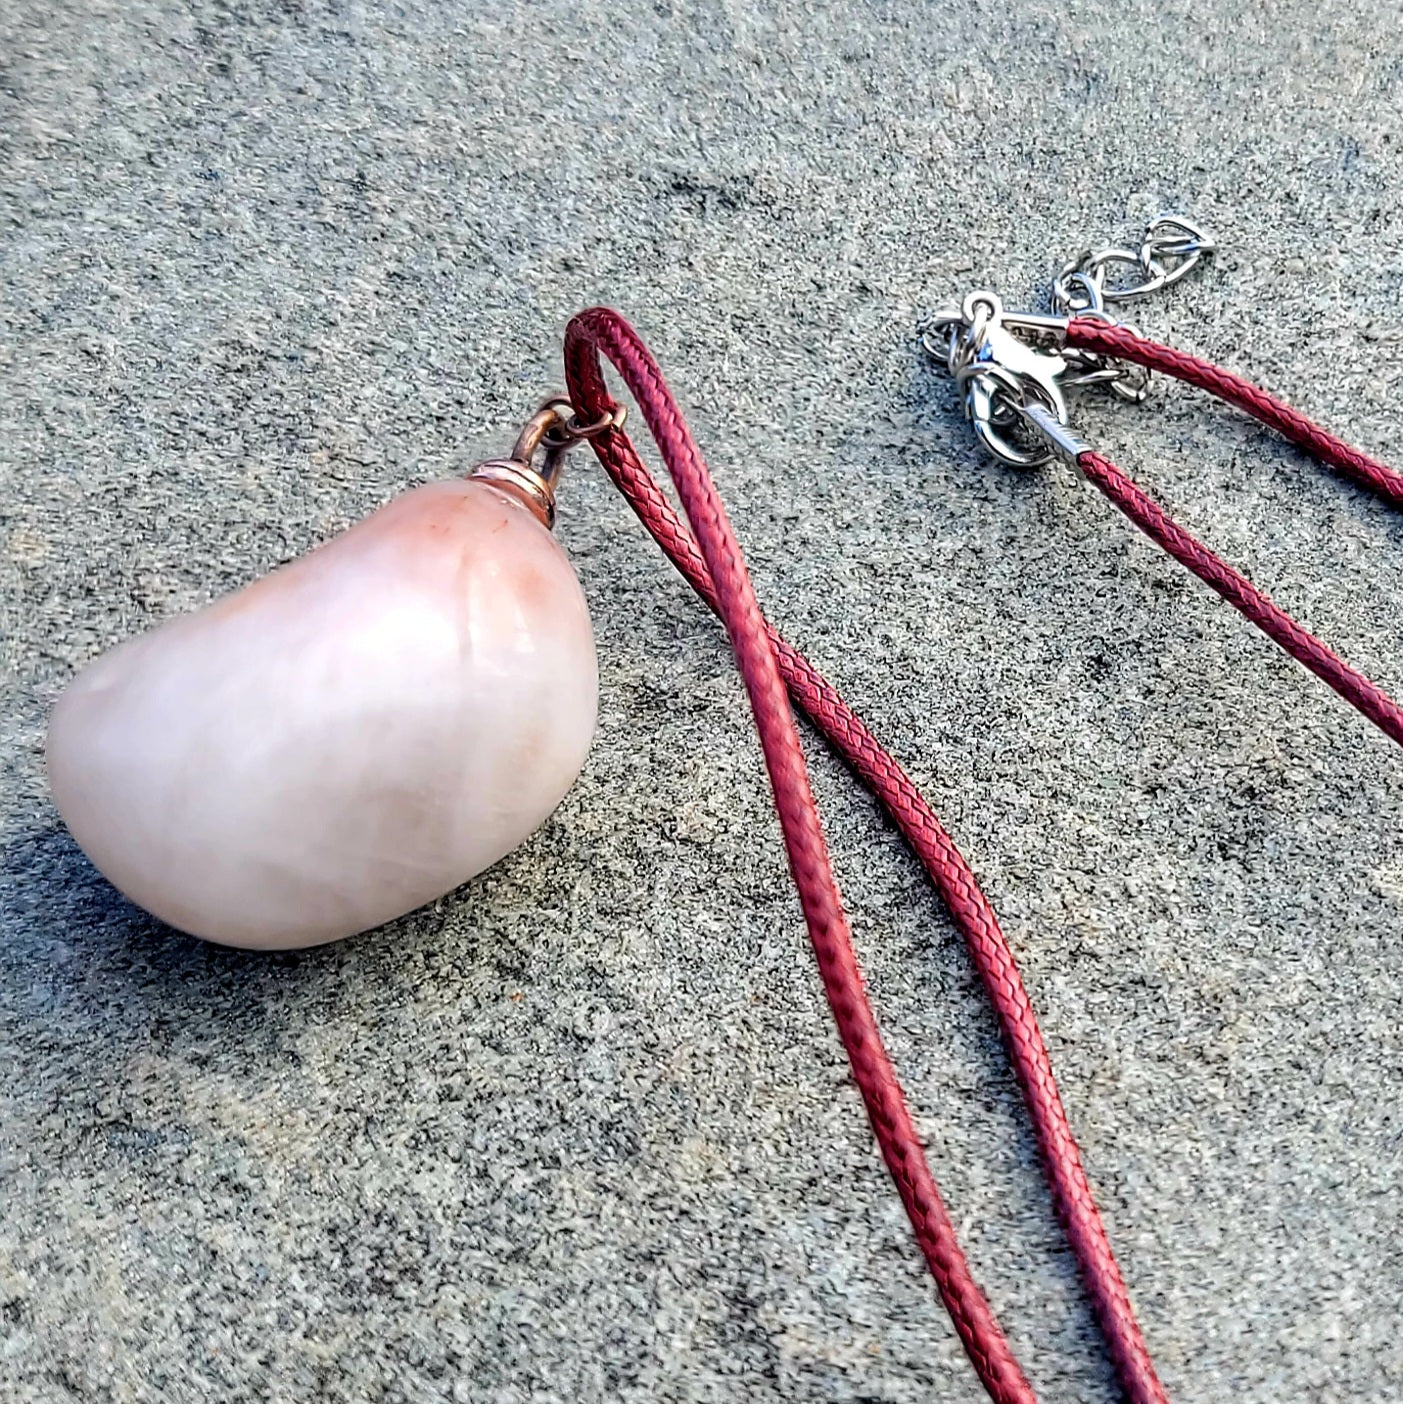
(549, 434)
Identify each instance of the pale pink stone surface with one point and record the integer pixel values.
(344, 740)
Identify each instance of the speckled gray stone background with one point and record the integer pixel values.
(582, 1131)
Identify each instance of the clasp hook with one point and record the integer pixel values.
(1004, 362)
(1014, 367)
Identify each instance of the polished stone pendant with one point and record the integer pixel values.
(348, 738)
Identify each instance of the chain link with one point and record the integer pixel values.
(1094, 282)
(1098, 278)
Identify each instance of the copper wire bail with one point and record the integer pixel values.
(551, 432)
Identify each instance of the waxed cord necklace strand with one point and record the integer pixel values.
(1253, 603)
(712, 563)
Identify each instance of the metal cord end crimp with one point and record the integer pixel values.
(1059, 439)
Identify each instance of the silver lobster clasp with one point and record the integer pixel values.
(1014, 368)
(1003, 363)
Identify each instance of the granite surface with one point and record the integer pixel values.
(583, 1131)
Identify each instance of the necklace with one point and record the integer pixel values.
(451, 618)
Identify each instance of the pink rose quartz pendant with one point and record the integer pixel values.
(346, 739)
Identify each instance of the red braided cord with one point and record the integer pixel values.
(1243, 595)
(1091, 334)
(712, 564)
